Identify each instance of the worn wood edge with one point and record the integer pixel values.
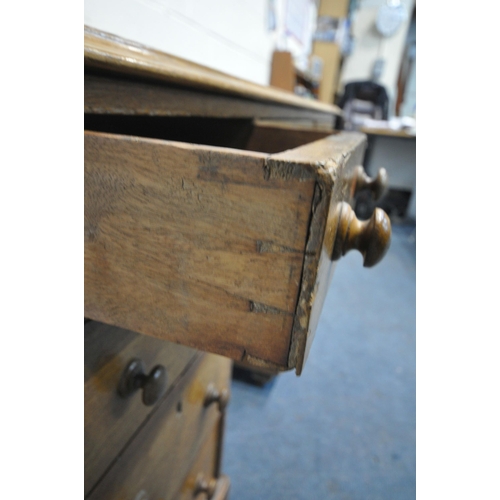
(387, 132)
(261, 363)
(296, 125)
(107, 51)
(177, 144)
(326, 171)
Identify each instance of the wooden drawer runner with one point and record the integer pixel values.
(159, 457)
(111, 421)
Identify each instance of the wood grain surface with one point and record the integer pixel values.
(204, 467)
(277, 137)
(194, 244)
(333, 160)
(107, 94)
(213, 248)
(111, 421)
(162, 452)
(112, 53)
(402, 133)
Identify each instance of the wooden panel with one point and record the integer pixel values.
(330, 54)
(121, 96)
(158, 459)
(402, 133)
(274, 138)
(202, 246)
(112, 53)
(297, 123)
(334, 160)
(110, 421)
(213, 248)
(205, 466)
(283, 71)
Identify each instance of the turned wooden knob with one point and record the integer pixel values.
(377, 186)
(371, 237)
(134, 377)
(215, 396)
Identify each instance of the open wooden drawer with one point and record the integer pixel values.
(226, 250)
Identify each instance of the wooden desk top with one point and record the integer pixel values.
(112, 53)
(388, 132)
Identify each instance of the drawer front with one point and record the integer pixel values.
(176, 233)
(204, 480)
(160, 455)
(110, 420)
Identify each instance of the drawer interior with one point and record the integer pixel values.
(238, 133)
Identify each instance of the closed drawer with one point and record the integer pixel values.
(157, 460)
(110, 420)
(204, 480)
(210, 230)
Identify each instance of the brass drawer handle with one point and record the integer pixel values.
(134, 377)
(377, 186)
(371, 237)
(214, 396)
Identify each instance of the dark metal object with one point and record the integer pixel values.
(134, 377)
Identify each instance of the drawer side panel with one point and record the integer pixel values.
(193, 244)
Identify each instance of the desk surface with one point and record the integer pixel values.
(112, 53)
(388, 132)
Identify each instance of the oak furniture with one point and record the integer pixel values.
(215, 213)
(167, 446)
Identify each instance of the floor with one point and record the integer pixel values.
(344, 429)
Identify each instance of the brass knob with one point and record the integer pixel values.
(215, 396)
(371, 237)
(134, 377)
(204, 485)
(377, 186)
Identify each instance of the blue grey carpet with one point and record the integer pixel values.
(344, 429)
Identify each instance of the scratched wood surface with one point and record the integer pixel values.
(112, 53)
(198, 245)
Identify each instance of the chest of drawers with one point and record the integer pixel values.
(215, 212)
(167, 447)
